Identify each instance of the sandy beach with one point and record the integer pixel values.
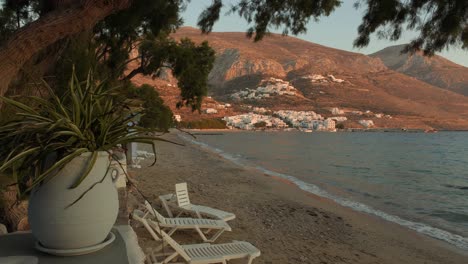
(287, 224)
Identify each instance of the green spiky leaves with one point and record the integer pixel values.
(85, 119)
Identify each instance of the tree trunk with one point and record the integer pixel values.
(45, 31)
(133, 73)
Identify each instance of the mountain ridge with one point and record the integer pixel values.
(435, 70)
(367, 84)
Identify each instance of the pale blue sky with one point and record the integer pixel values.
(338, 30)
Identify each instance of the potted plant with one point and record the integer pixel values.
(59, 153)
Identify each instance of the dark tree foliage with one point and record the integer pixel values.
(192, 64)
(144, 26)
(145, 20)
(189, 63)
(14, 14)
(291, 15)
(203, 124)
(156, 114)
(440, 23)
(261, 124)
(139, 35)
(340, 126)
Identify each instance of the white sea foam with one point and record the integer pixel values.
(454, 239)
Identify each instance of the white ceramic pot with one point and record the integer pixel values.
(84, 224)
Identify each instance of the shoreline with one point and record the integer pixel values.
(458, 242)
(274, 213)
(348, 130)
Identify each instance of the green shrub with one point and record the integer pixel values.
(86, 119)
(260, 124)
(203, 124)
(156, 115)
(339, 126)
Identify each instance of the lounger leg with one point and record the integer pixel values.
(148, 260)
(198, 214)
(216, 235)
(202, 235)
(146, 214)
(150, 230)
(160, 247)
(168, 259)
(172, 231)
(156, 252)
(201, 217)
(249, 261)
(150, 257)
(166, 207)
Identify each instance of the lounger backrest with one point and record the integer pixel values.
(155, 213)
(182, 194)
(175, 246)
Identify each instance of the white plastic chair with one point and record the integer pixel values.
(181, 202)
(171, 225)
(203, 253)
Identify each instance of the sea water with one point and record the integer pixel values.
(417, 180)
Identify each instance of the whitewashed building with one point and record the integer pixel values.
(248, 121)
(317, 78)
(333, 79)
(336, 111)
(339, 118)
(210, 111)
(267, 88)
(366, 123)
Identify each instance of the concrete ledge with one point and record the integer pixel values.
(134, 253)
(124, 250)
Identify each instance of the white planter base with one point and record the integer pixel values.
(76, 252)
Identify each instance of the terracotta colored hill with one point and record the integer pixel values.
(166, 85)
(276, 56)
(352, 81)
(435, 70)
(170, 93)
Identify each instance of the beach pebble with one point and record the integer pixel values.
(3, 229)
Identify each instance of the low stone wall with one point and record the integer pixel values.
(3, 229)
(15, 212)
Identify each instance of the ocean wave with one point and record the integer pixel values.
(437, 233)
(465, 188)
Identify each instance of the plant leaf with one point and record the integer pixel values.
(89, 167)
(18, 105)
(59, 164)
(18, 157)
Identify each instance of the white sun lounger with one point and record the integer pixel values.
(203, 253)
(174, 224)
(181, 202)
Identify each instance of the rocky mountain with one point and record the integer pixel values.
(286, 73)
(435, 70)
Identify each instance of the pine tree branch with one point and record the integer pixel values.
(48, 29)
(133, 73)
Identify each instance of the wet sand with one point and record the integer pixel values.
(287, 224)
